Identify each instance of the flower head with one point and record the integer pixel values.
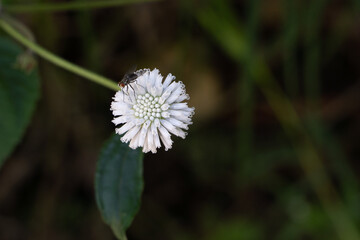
(150, 110)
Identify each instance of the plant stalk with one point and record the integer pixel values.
(55, 59)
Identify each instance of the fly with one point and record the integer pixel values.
(130, 77)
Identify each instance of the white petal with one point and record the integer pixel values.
(167, 91)
(157, 122)
(171, 87)
(134, 143)
(130, 134)
(121, 119)
(192, 110)
(154, 131)
(181, 115)
(142, 79)
(143, 133)
(151, 79)
(153, 91)
(158, 86)
(158, 80)
(118, 112)
(178, 123)
(119, 106)
(163, 97)
(175, 94)
(158, 90)
(168, 80)
(124, 128)
(139, 89)
(178, 106)
(119, 109)
(183, 97)
(165, 107)
(171, 128)
(165, 114)
(153, 75)
(119, 96)
(123, 112)
(145, 147)
(149, 138)
(150, 142)
(139, 121)
(126, 95)
(131, 93)
(165, 138)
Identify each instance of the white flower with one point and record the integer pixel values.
(150, 109)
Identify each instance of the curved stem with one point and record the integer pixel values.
(20, 27)
(64, 6)
(57, 60)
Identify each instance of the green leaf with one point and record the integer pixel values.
(19, 91)
(119, 184)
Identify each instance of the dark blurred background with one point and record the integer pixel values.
(238, 174)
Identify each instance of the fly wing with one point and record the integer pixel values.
(132, 69)
(128, 76)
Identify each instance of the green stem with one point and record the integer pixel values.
(57, 60)
(21, 28)
(64, 6)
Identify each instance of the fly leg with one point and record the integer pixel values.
(133, 90)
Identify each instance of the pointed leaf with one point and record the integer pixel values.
(119, 184)
(19, 91)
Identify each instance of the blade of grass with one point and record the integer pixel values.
(324, 138)
(308, 156)
(356, 5)
(246, 89)
(67, 6)
(312, 53)
(291, 32)
(307, 153)
(90, 48)
(339, 165)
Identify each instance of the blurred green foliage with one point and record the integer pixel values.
(237, 175)
(19, 92)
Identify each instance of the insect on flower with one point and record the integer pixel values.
(157, 109)
(130, 77)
